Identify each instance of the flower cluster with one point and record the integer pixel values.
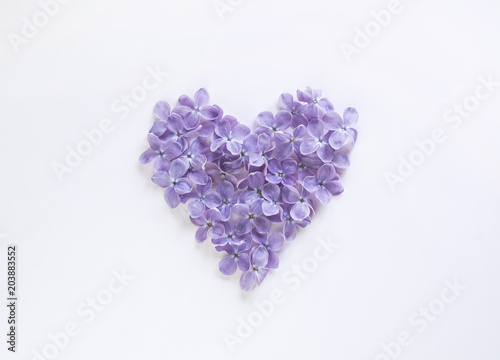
(249, 192)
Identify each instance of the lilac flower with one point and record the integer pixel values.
(290, 227)
(249, 146)
(266, 252)
(270, 124)
(324, 184)
(289, 142)
(251, 216)
(254, 182)
(175, 130)
(312, 98)
(217, 175)
(342, 129)
(161, 112)
(272, 203)
(295, 108)
(307, 165)
(160, 150)
(340, 160)
(194, 153)
(194, 111)
(231, 137)
(319, 141)
(236, 258)
(301, 204)
(228, 198)
(203, 197)
(229, 237)
(209, 225)
(255, 275)
(264, 151)
(173, 182)
(282, 172)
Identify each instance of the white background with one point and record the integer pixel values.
(397, 248)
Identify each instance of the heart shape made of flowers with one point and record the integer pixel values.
(250, 191)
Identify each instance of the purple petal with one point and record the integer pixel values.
(311, 184)
(185, 100)
(214, 216)
(162, 179)
(273, 178)
(283, 120)
(256, 180)
(332, 120)
(162, 110)
(323, 195)
(289, 166)
(271, 191)
(209, 112)
(201, 234)
(159, 127)
(171, 197)
(192, 120)
(276, 241)
(183, 186)
(316, 128)
(340, 160)
(174, 123)
(270, 209)
(242, 226)
(178, 168)
(147, 156)
(325, 153)
(265, 119)
(273, 261)
(289, 180)
(172, 150)
(286, 101)
(290, 195)
(241, 209)
(216, 231)
(226, 189)
(154, 142)
(223, 129)
(244, 262)
(326, 173)
(207, 129)
(196, 208)
(233, 147)
(212, 200)
(350, 117)
(334, 187)
(248, 280)
(300, 211)
(337, 139)
(290, 231)
(199, 177)
(260, 256)
(262, 224)
(309, 146)
(274, 166)
(201, 97)
(227, 266)
(240, 132)
(353, 133)
(283, 150)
